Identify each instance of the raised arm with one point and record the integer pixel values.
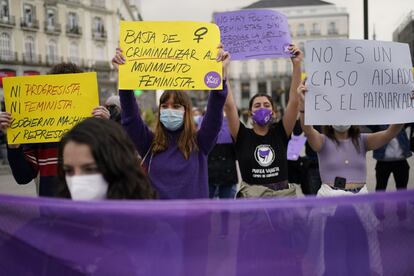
(379, 139)
(131, 119)
(213, 119)
(231, 112)
(291, 112)
(23, 171)
(315, 139)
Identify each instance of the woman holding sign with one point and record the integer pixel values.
(262, 150)
(342, 151)
(175, 154)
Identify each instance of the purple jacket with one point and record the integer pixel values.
(171, 175)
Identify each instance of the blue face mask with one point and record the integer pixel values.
(172, 119)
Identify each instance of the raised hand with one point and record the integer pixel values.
(118, 59)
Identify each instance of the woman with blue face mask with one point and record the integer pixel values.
(262, 150)
(341, 152)
(175, 154)
(97, 161)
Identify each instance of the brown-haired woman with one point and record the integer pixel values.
(175, 154)
(341, 152)
(262, 150)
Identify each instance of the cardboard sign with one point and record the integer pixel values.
(254, 33)
(44, 107)
(295, 146)
(170, 55)
(358, 82)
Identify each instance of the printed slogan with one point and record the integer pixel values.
(44, 108)
(170, 55)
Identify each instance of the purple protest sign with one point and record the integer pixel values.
(295, 145)
(254, 33)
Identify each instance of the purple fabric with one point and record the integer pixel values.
(254, 33)
(171, 175)
(354, 235)
(295, 146)
(224, 136)
(343, 160)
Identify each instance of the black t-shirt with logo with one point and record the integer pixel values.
(262, 159)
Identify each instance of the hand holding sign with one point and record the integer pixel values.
(43, 108)
(168, 55)
(357, 82)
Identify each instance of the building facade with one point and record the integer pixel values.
(405, 33)
(37, 34)
(308, 20)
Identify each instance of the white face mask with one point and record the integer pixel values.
(87, 187)
(341, 128)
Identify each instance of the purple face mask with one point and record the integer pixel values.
(262, 116)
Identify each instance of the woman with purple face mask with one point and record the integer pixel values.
(262, 150)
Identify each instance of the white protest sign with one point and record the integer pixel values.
(358, 82)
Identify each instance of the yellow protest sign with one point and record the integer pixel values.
(45, 107)
(170, 55)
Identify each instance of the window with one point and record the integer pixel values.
(301, 29)
(74, 53)
(98, 25)
(315, 29)
(100, 53)
(332, 28)
(4, 9)
(28, 14)
(72, 20)
(51, 18)
(5, 46)
(261, 68)
(274, 67)
(244, 67)
(288, 67)
(245, 94)
(52, 52)
(261, 86)
(29, 47)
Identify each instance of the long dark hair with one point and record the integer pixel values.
(353, 132)
(261, 95)
(187, 142)
(115, 157)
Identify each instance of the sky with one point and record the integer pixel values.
(384, 14)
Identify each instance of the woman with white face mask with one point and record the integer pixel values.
(175, 154)
(341, 152)
(96, 161)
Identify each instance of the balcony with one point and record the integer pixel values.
(32, 25)
(99, 35)
(54, 29)
(32, 59)
(8, 57)
(301, 33)
(102, 65)
(98, 4)
(332, 32)
(53, 60)
(315, 32)
(73, 31)
(8, 21)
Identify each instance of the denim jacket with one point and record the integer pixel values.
(402, 139)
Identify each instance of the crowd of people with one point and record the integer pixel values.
(115, 155)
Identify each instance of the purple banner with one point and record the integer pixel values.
(353, 235)
(254, 34)
(295, 146)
